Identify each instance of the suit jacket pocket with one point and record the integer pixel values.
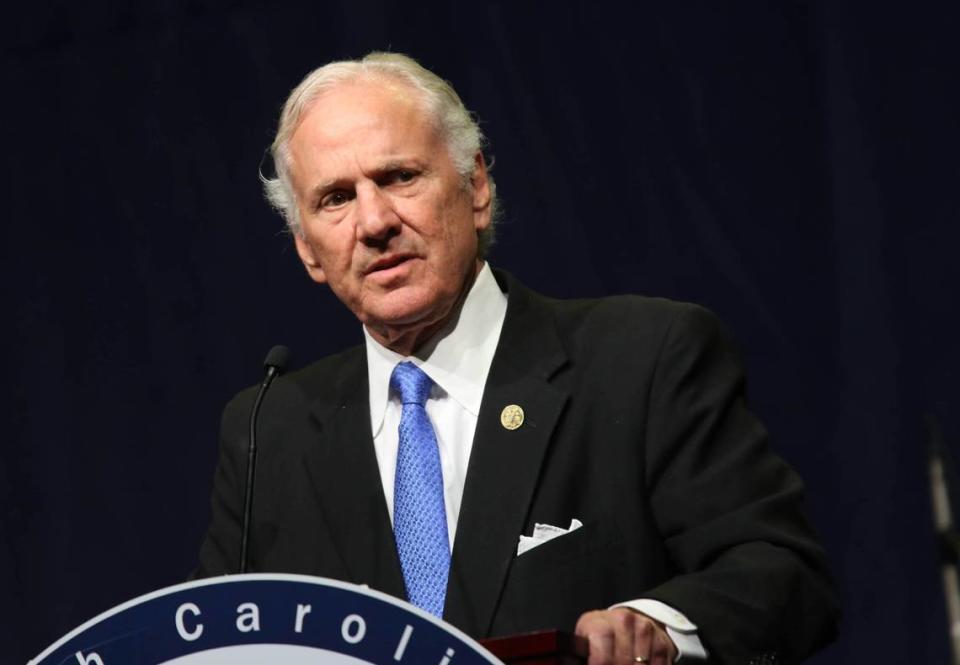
(550, 585)
(568, 547)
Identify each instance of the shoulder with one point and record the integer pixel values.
(627, 328)
(629, 311)
(637, 320)
(614, 308)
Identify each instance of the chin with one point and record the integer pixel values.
(402, 318)
(399, 312)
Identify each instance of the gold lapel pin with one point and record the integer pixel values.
(511, 417)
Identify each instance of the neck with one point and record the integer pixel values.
(406, 340)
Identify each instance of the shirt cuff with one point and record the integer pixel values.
(681, 630)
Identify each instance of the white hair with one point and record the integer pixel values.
(457, 126)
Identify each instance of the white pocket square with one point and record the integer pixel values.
(544, 532)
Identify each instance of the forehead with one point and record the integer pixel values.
(363, 115)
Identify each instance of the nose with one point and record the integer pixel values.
(376, 219)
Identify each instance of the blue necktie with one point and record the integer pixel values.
(419, 517)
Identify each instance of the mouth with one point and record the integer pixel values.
(388, 262)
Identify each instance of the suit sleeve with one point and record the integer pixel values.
(752, 575)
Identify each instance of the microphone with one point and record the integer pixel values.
(273, 365)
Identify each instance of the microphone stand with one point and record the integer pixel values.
(274, 365)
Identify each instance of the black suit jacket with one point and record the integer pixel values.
(635, 423)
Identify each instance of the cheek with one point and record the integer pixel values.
(335, 244)
(456, 220)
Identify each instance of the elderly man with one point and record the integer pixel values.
(504, 460)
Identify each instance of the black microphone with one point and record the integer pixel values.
(274, 364)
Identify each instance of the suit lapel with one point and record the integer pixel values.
(346, 478)
(504, 464)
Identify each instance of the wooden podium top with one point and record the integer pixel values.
(549, 647)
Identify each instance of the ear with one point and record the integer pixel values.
(480, 184)
(310, 260)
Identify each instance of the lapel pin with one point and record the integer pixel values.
(511, 417)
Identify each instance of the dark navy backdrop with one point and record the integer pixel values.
(791, 165)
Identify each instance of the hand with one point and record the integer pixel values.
(620, 636)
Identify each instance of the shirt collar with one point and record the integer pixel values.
(458, 359)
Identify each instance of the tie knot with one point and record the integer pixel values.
(411, 383)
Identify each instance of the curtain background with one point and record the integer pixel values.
(792, 166)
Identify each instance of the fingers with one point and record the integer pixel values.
(661, 649)
(601, 637)
(643, 638)
(625, 637)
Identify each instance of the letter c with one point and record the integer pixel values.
(189, 636)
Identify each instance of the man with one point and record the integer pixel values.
(477, 412)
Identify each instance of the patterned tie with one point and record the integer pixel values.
(419, 517)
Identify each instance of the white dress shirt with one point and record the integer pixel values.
(458, 360)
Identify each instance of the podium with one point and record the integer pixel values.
(290, 619)
(552, 647)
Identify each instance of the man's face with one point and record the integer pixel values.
(387, 221)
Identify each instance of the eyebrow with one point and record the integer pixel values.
(395, 164)
(324, 186)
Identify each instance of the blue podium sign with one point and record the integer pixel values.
(264, 619)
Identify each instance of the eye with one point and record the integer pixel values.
(334, 199)
(400, 177)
